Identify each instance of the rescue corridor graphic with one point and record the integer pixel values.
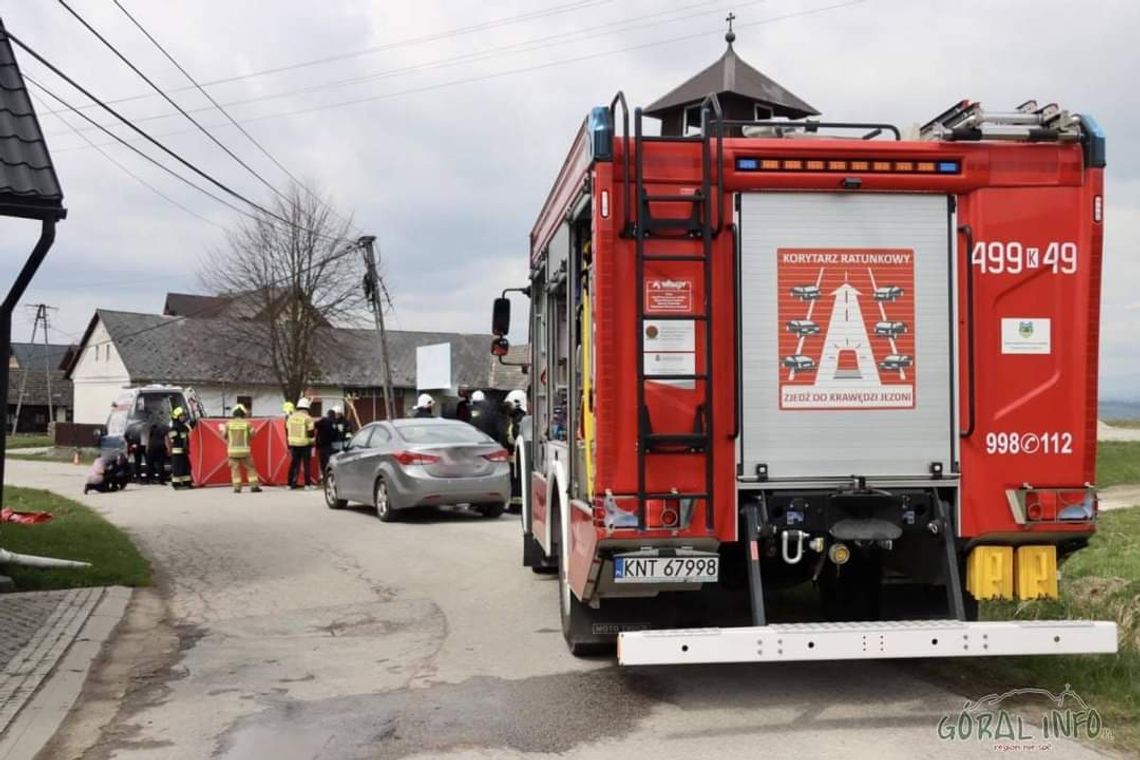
(846, 328)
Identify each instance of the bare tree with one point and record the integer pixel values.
(288, 283)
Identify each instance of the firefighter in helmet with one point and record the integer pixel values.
(516, 411)
(239, 435)
(179, 436)
(424, 405)
(299, 436)
(485, 416)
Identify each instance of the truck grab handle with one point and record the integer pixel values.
(968, 232)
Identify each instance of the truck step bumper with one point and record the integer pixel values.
(878, 640)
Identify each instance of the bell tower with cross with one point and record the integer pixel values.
(744, 93)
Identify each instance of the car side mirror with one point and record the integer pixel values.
(501, 317)
(500, 347)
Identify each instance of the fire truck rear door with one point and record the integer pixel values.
(847, 335)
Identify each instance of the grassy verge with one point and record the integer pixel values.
(1101, 582)
(76, 533)
(1123, 423)
(56, 454)
(1117, 462)
(25, 441)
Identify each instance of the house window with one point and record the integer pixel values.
(692, 124)
(247, 402)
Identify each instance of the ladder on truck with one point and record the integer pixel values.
(696, 231)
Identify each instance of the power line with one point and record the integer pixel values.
(169, 99)
(127, 144)
(145, 135)
(201, 89)
(524, 46)
(529, 16)
(123, 167)
(522, 70)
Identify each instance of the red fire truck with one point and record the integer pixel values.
(774, 356)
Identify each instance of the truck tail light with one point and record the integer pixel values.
(1061, 505)
(406, 458)
(1098, 209)
(498, 456)
(604, 203)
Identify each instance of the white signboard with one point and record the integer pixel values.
(433, 367)
(670, 335)
(1026, 335)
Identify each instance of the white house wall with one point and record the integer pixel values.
(219, 400)
(98, 377)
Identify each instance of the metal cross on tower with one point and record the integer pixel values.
(730, 37)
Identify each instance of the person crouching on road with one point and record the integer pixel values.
(179, 450)
(299, 435)
(239, 433)
(109, 472)
(423, 406)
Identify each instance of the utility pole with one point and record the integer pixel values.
(375, 291)
(41, 317)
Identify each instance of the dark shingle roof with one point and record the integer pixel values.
(27, 178)
(160, 348)
(38, 356)
(732, 75)
(506, 377)
(190, 305)
(35, 387)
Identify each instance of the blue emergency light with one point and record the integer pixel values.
(747, 164)
(948, 167)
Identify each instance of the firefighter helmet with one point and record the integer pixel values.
(304, 404)
(425, 401)
(477, 396)
(239, 410)
(516, 399)
(337, 410)
(178, 413)
(288, 407)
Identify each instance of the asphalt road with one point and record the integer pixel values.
(286, 630)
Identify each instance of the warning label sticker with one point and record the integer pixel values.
(672, 296)
(846, 328)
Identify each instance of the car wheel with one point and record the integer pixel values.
(491, 511)
(331, 500)
(382, 501)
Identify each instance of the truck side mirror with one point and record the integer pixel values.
(501, 317)
(500, 347)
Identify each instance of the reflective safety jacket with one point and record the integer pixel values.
(239, 431)
(179, 436)
(299, 429)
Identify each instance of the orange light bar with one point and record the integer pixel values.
(925, 166)
(793, 164)
(904, 166)
(769, 163)
(837, 166)
(881, 166)
(815, 166)
(859, 166)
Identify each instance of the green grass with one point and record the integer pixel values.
(56, 454)
(29, 441)
(1123, 423)
(76, 533)
(1100, 582)
(1117, 462)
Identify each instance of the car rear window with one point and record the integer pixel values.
(459, 432)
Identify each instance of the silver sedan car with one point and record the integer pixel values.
(420, 462)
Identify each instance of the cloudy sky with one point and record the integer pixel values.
(439, 125)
